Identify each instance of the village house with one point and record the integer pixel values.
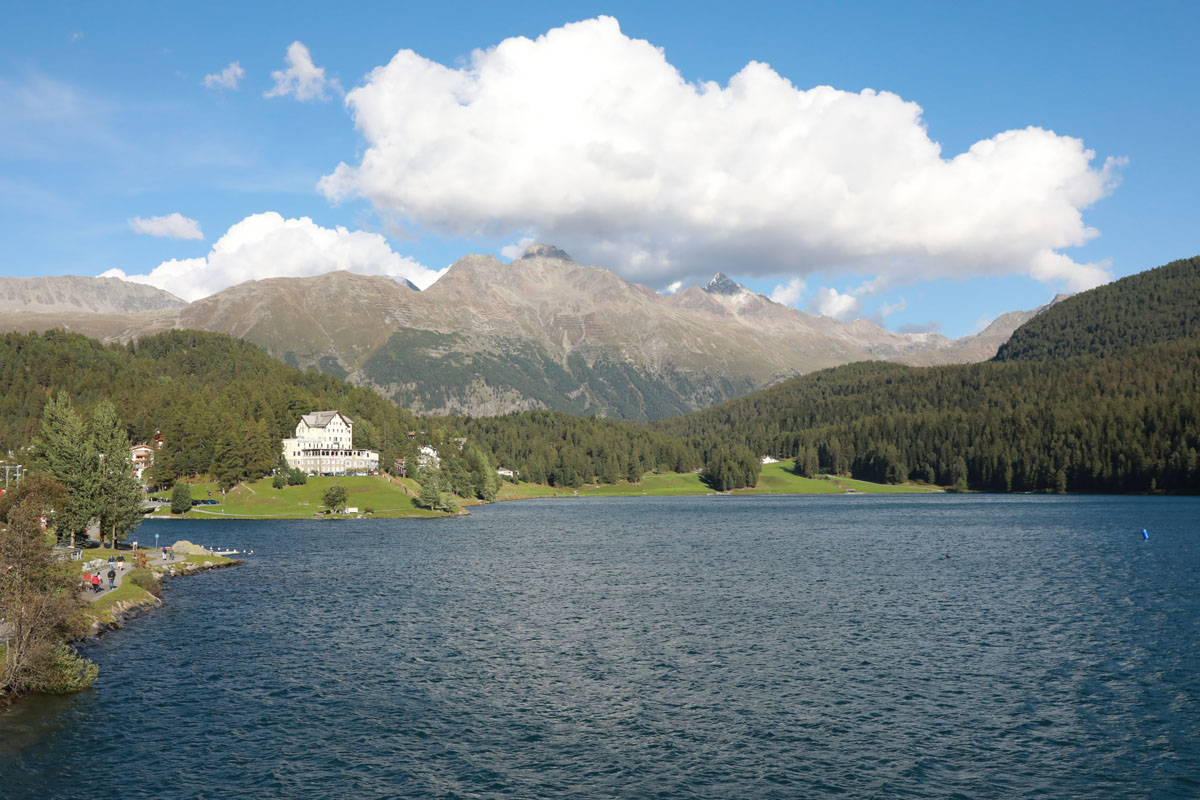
(142, 457)
(426, 457)
(324, 445)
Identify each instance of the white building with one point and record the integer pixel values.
(142, 457)
(324, 445)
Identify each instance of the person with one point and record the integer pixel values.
(121, 563)
(96, 582)
(86, 581)
(112, 577)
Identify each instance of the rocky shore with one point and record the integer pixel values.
(115, 616)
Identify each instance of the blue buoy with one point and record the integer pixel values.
(1145, 533)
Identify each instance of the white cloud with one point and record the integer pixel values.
(269, 246)
(887, 309)
(75, 37)
(517, 250)
(593, 141)
(829, 302)
(1051, 267)
(227, 78)
(788, 293)
(302, 79)
(673, 288)
(172, 226)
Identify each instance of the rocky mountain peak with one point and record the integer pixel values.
(722, 284)
(546, 251)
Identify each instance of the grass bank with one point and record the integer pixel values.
(395, 497)
(386, 497)
(775, 479)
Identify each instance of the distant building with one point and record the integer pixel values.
(142, 457)
(426, 457)
(324, 445)
(506, 473)
(769, 460)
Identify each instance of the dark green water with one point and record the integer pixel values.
(916, 647)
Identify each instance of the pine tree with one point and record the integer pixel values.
(430, 495)
(181, 498)
(228, 466)
(65, 452)
(119, 500)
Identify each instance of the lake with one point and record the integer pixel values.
(705, 647)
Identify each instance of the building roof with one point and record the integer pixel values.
(319, 419)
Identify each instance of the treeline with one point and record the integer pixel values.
(1124, 423)
(564, 450)
(222, 404)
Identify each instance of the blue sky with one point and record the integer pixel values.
(105, 118)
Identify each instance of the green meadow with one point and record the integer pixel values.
(260, 500)
(775, 479)
(394, 497)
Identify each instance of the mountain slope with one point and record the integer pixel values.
(71, 293)
(540, 332)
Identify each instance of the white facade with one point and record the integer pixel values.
(324, 445)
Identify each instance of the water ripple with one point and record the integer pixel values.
(918, 647)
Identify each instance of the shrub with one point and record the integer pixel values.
(279, 481)
(61, 670)
(147, 580)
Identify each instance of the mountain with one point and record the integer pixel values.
(540, 332)
(1101, 392)
(73, 294)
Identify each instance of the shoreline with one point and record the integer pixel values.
(115, 616)
(252, 501)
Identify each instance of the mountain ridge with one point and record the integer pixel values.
(538, 332)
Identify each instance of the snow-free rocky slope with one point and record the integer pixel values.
(540, 332)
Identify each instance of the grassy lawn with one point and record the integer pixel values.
(102, 608)
(204, 560)
(774, 479)
(395, 497)
(260, 500)
(864, 487)
(662, 484)
(779, 479)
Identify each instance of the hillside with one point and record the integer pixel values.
(541, 332)
(1129, 421)
(66, 294)
(206, 392)
(1156, 305)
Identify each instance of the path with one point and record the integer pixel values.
(154, 558)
